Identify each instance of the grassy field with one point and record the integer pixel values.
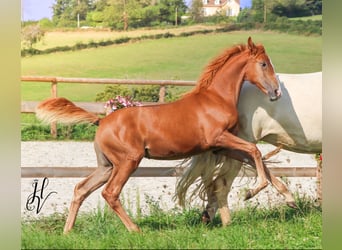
(175, 58)
(276, 228)
(67, 38)
(314, 18)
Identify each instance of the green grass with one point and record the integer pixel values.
(251, 228)
(174, 58)
(316, 17)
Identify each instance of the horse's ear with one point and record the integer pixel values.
(251, 46)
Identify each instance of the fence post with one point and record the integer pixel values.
(53, 126)
(319, 180)
(162, 92)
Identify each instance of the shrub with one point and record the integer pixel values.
(142, 94)
(79, 132)
(46, 23)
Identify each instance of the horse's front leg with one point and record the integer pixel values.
(235, 144)
(280, 186)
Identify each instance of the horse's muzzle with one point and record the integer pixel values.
(275, 95)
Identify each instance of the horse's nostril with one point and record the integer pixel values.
(277, 92)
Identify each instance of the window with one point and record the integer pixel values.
(205, 1)
(229, 12)
(217, 2)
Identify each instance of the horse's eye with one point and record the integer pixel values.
(263, 64)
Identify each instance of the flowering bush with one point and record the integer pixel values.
(120, 102)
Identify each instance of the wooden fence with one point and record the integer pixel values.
(76, 172)
(29, 107)
(55, 80)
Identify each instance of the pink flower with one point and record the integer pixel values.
(120, 102)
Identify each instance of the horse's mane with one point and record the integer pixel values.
(217, 63)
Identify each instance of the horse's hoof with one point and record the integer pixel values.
(134, 230)
(205, 217)
(292, 204)
(249, 195)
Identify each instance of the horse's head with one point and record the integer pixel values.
(260, 71)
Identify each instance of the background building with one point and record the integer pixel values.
(223, 7)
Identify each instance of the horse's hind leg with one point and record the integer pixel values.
(113, 188)
(211, 208)
(217, 192)
(84, 188)
(223, 184)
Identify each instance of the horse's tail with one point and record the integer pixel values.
(207, 166)
(64, 111)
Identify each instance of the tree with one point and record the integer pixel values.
(118, 14)
(68, 12)
(169, 9)
(245, 16)
(267, 10)
(149, 16)
(262, 10)
(123, 14)
(60, 10)
(31, 34)
(314, 6)
(258, 10)
(196, 11)
(297, 8)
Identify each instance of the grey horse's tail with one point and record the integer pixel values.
(201, 170)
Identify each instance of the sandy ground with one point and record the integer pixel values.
(139, 191)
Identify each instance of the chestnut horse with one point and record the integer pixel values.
(206, 118)
(294, 122)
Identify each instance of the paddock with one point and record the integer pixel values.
(137, 192)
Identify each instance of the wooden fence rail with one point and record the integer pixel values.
(78, 172)
(81, 80)
(55, 80)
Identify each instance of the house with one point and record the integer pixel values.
(225, 7)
